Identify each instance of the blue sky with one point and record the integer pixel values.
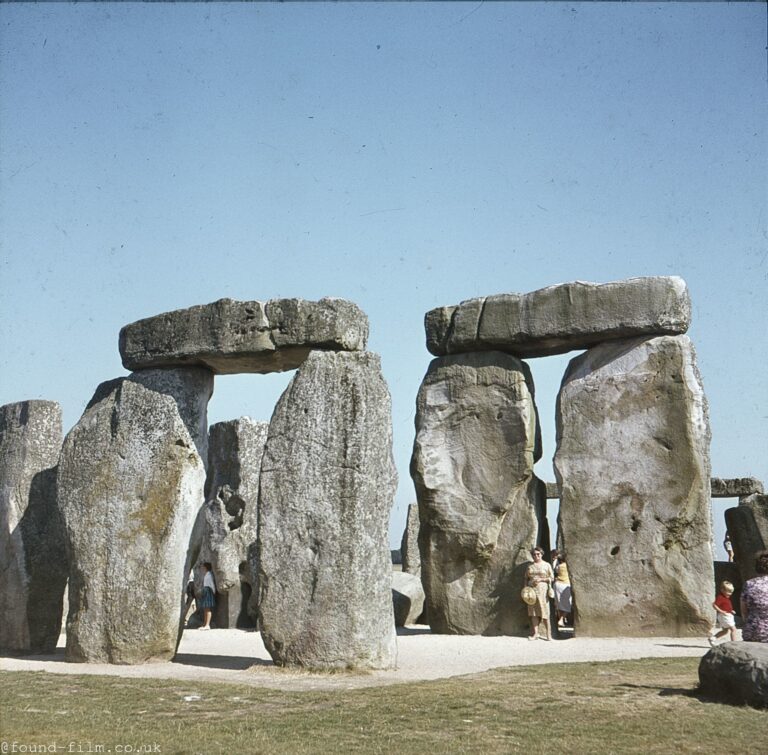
(401, 155)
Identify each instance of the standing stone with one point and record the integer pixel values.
(227, 524)
(481, 506)
(33, 561)
(327, 487)
(633, 468)
(409, 545)
(130, 481)
(748, 526)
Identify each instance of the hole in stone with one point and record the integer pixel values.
(635, 525)
(615, 550)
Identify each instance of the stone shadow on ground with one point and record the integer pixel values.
(226, 662)
(412, 630)
(56, 657)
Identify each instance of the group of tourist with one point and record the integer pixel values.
(545, 582)
(753, 605)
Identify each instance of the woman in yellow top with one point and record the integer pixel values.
(539, 576)
(563, 597)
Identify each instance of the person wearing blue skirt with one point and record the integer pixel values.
(208, 598)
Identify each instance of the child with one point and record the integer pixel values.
(725, 613)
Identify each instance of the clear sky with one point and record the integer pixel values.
(401, 155)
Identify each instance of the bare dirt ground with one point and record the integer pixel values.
(239, 657)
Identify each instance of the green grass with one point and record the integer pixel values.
(647, 706)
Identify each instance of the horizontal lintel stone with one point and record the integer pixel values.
(229, 336)
(737, 487)
(561, 318)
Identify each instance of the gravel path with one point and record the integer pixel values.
(231, 655)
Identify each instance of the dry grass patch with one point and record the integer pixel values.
(646, 706)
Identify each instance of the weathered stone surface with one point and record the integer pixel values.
(632, 461)
(736, 673)
(407, 598)
(737, 487)
(561, 318)
(130, 482)
(409, 546)
(33, 561)
(748, 526)
(480, 505)
(227, 523)
(230, 336)
(327, 487)
(552, 490)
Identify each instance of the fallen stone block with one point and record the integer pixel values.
(407, 598)
(736, 673)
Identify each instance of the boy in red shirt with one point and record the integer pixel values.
(725, 613)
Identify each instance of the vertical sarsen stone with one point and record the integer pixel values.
(130, 480)
(33, 562)
(327, 486)
(481, 507)
(633, 468)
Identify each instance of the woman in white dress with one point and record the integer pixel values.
(539, 576)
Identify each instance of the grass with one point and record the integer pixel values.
(645, 706)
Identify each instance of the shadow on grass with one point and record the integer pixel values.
(227, 662)
(694, 694)
(663, 691)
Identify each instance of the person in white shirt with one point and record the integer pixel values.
(208, 599)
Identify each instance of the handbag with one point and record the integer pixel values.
(550, 592)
